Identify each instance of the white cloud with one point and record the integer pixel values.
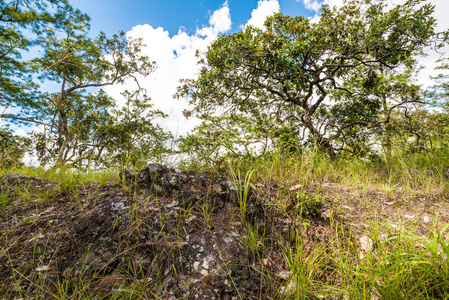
(265, 8)
(219, 22)
(20, 132)
(315, 5)
(312, 5)
(175, 57)
(221, 19)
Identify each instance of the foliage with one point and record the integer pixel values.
(418, 129)
(320, 75)
(239, 136)
(78, 114)
(133, 138)
(228, 136)
(20, 23)
(438, 95)
(12, 147)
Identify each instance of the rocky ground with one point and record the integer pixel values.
(184, 235)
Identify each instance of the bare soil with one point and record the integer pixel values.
(174, 235)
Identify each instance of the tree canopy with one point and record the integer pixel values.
(328, 77)
(81, 64)
(21, 23)
(80, 121)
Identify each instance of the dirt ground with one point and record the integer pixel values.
(180, 235)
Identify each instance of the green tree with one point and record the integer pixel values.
(361, 113)
(12, 147)
(21, 22)
(132, 137)
(308, 72)
(82, 66)
(417, 129)
(438, 94)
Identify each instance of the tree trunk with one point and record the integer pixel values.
(63, 138)
(322, 142)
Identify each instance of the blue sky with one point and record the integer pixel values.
(112, 16)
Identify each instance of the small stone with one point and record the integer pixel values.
(173, 180)
(366, 243)
(217, 189)
(191, 218)
(173, 204)
(383, 238)
(426, 219)
(156, 188)
(326, 214)
(232, 186)
(42, 268)
(295, 187)
(118, 206)
(285, 274)
(289, 289)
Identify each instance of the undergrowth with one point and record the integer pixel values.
(369, 247)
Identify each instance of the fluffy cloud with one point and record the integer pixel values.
(175, 58)
(265, 8)
(315, 5)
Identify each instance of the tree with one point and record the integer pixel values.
(21, 21)
(438, 94)
(417, 129)
(12, 147)
(237, 136)
(322, 75)
(133, 138)
(82, 66)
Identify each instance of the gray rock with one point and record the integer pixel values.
(17, 180)
(127, 174)
(206, 256)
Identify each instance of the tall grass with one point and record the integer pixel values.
(402, 263)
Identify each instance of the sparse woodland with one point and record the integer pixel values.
(319, 168)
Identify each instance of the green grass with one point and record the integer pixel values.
(404, 262)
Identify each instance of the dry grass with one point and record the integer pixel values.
(310, 228)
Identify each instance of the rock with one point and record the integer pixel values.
(186, 186)
(42, 268)
(209, 260)
(127, 174)
(285, 274)
(295, 187)
(289, 289)
(426, 219)
(173, 204)
(156, 189)
(383, 238)
(16, 180)
(366, 243)
(150, 173)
